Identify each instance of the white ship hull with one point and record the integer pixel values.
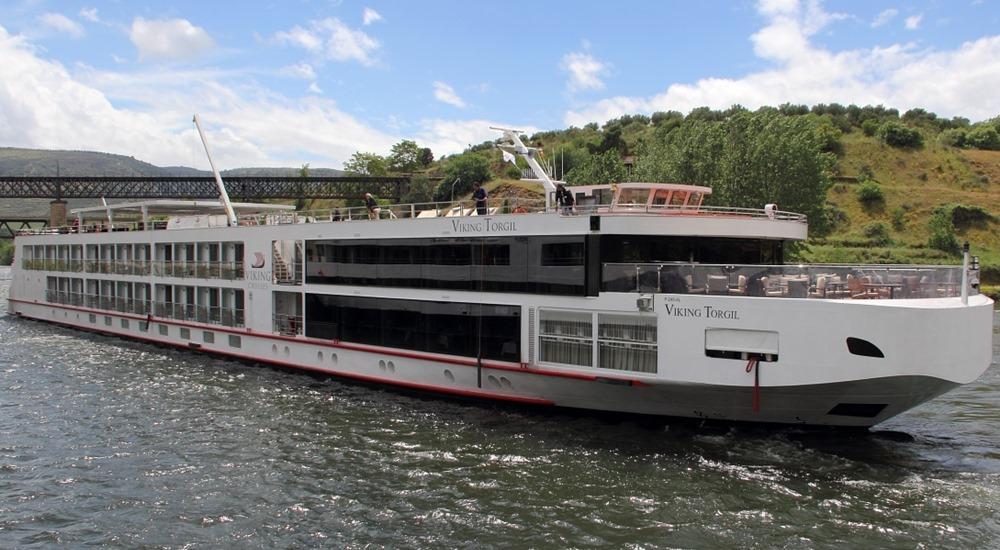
(928, 349)
(762, 347)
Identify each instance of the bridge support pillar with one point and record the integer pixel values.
(57, 213)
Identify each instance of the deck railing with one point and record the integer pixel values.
(494, 206)
(826, 281)
(199, 270)
(287, 325)
(212, 315)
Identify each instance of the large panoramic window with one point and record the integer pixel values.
(451, 328)
(536, 264)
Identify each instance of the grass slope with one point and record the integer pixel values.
(914, 182)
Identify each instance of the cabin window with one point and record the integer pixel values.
(566, 337)
(164, 330)
(235, 341)
(627, 342)
(208, 337)
(185, 333)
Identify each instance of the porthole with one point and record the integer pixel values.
(381, 365)
(274, 348)
(857, 346)
(319, 355)
(287, 351)
(449, 375)
(506, 383)
(492, 380)
(333, 358)
(392, 367)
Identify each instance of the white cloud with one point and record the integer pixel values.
(332, 39)
(169, 39)
(370, 16)
(315, 89)
(913, 22)
(585, 71)
(446, 94)
(300, 70)
(884, 17)
(90, 14)
(44, 105)
(446, 137)
(61, 23)
(957, 82)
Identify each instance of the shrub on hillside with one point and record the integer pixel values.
(877, 234)
(898, 218)
(870, 127)
(942, 231)
(954, 137)
(983, 136)
(895, 134)
(963, 216)
(870, 193)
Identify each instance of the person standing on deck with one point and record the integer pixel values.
(479, 194)
(372, 205)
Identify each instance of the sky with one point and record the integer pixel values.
(283, 83)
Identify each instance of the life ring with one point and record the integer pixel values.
(520, 210)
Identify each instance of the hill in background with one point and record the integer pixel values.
(41, 162)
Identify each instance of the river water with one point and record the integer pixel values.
(111, 443)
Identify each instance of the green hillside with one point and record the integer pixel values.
(878, 186)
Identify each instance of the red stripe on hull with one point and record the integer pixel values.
(340, 345)
(477, 394)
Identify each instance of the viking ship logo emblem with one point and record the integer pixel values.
(258, 260)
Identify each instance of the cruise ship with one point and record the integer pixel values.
(637, 299)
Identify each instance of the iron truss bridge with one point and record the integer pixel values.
(10, 225)
(244, 188)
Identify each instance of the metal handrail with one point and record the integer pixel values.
(494, 206)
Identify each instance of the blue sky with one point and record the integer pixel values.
(283, 83)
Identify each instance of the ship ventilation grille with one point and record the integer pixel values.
(531, 336)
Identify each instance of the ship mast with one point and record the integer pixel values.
(223, 195)
(516, 146)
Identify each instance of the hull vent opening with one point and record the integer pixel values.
(857, 346)
(862, 410)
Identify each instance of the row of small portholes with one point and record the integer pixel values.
(389, 366)
(320, 356)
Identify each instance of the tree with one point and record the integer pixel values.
(404, 156)
(367, 164)
(426, 157)
(598, 169)
(420, 190)
(466, 169)
(300, 201)
(748, 159)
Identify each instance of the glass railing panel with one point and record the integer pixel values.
(787, 281)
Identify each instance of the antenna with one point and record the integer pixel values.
(516, 146)
(223, 195)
